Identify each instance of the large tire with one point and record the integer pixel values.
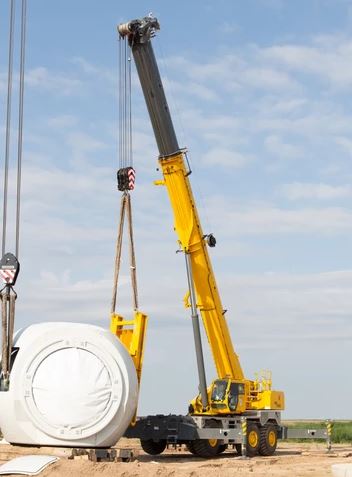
(190, 447)
(153, 447)
(268, 439)
(207, 448)
(222, 448)
(238, 448)
(253, 439)
(192, 450)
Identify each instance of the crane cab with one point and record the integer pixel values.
(225, 396)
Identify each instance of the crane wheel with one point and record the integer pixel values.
(222, 448)
(153, 447)
(192, 450)
(190, 447)
(205, 447)
(253, 439)
(238, 448)
(268, 439)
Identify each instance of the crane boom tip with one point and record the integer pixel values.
(140, 30)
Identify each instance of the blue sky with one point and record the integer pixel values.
(260, 92)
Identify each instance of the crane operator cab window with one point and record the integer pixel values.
(228, 392)
(219, 390)
(235, 390)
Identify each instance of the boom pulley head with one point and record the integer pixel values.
(140, 30)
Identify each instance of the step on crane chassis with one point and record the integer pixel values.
(232, 410)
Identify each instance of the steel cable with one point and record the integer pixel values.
(20, 124)
(125, 105)
(125, 160)
(8, 123)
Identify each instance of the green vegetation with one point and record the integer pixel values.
(341, 431)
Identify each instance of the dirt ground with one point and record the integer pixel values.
(290, 460)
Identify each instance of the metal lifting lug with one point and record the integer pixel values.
(211, 240)
(9, 269)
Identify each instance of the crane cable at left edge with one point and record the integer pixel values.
(9, 263)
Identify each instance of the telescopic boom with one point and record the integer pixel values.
(231, 392)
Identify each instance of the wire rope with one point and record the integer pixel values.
(125, 162)
(20, 124)
(125, 105)
(8, 123)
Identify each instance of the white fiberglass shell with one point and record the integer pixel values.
(71, 384)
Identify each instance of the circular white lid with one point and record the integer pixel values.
(71, 388)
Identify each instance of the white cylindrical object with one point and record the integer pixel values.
(71, 384)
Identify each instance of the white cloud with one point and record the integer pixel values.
(299, 190)
(286, 106)
(328, 57)
(259, 218)
(63, 121)
(95, 70)
(226, 158)
(311, 299)
(276, 146)
(276, 4)
(310, 125)
(235, 73)
(193, 89)
(345, 143)
(43, 79)
(229, 28)
(267, 78)
(83, 145)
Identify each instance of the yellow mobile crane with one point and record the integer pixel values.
(214, 418)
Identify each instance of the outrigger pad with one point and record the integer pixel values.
(126, 178)
(9, 269)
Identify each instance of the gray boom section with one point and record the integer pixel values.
(139, 33)
(197, 335)
(155, 98)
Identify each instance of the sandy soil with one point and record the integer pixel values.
(290, 460)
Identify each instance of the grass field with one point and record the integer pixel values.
(341, 432)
